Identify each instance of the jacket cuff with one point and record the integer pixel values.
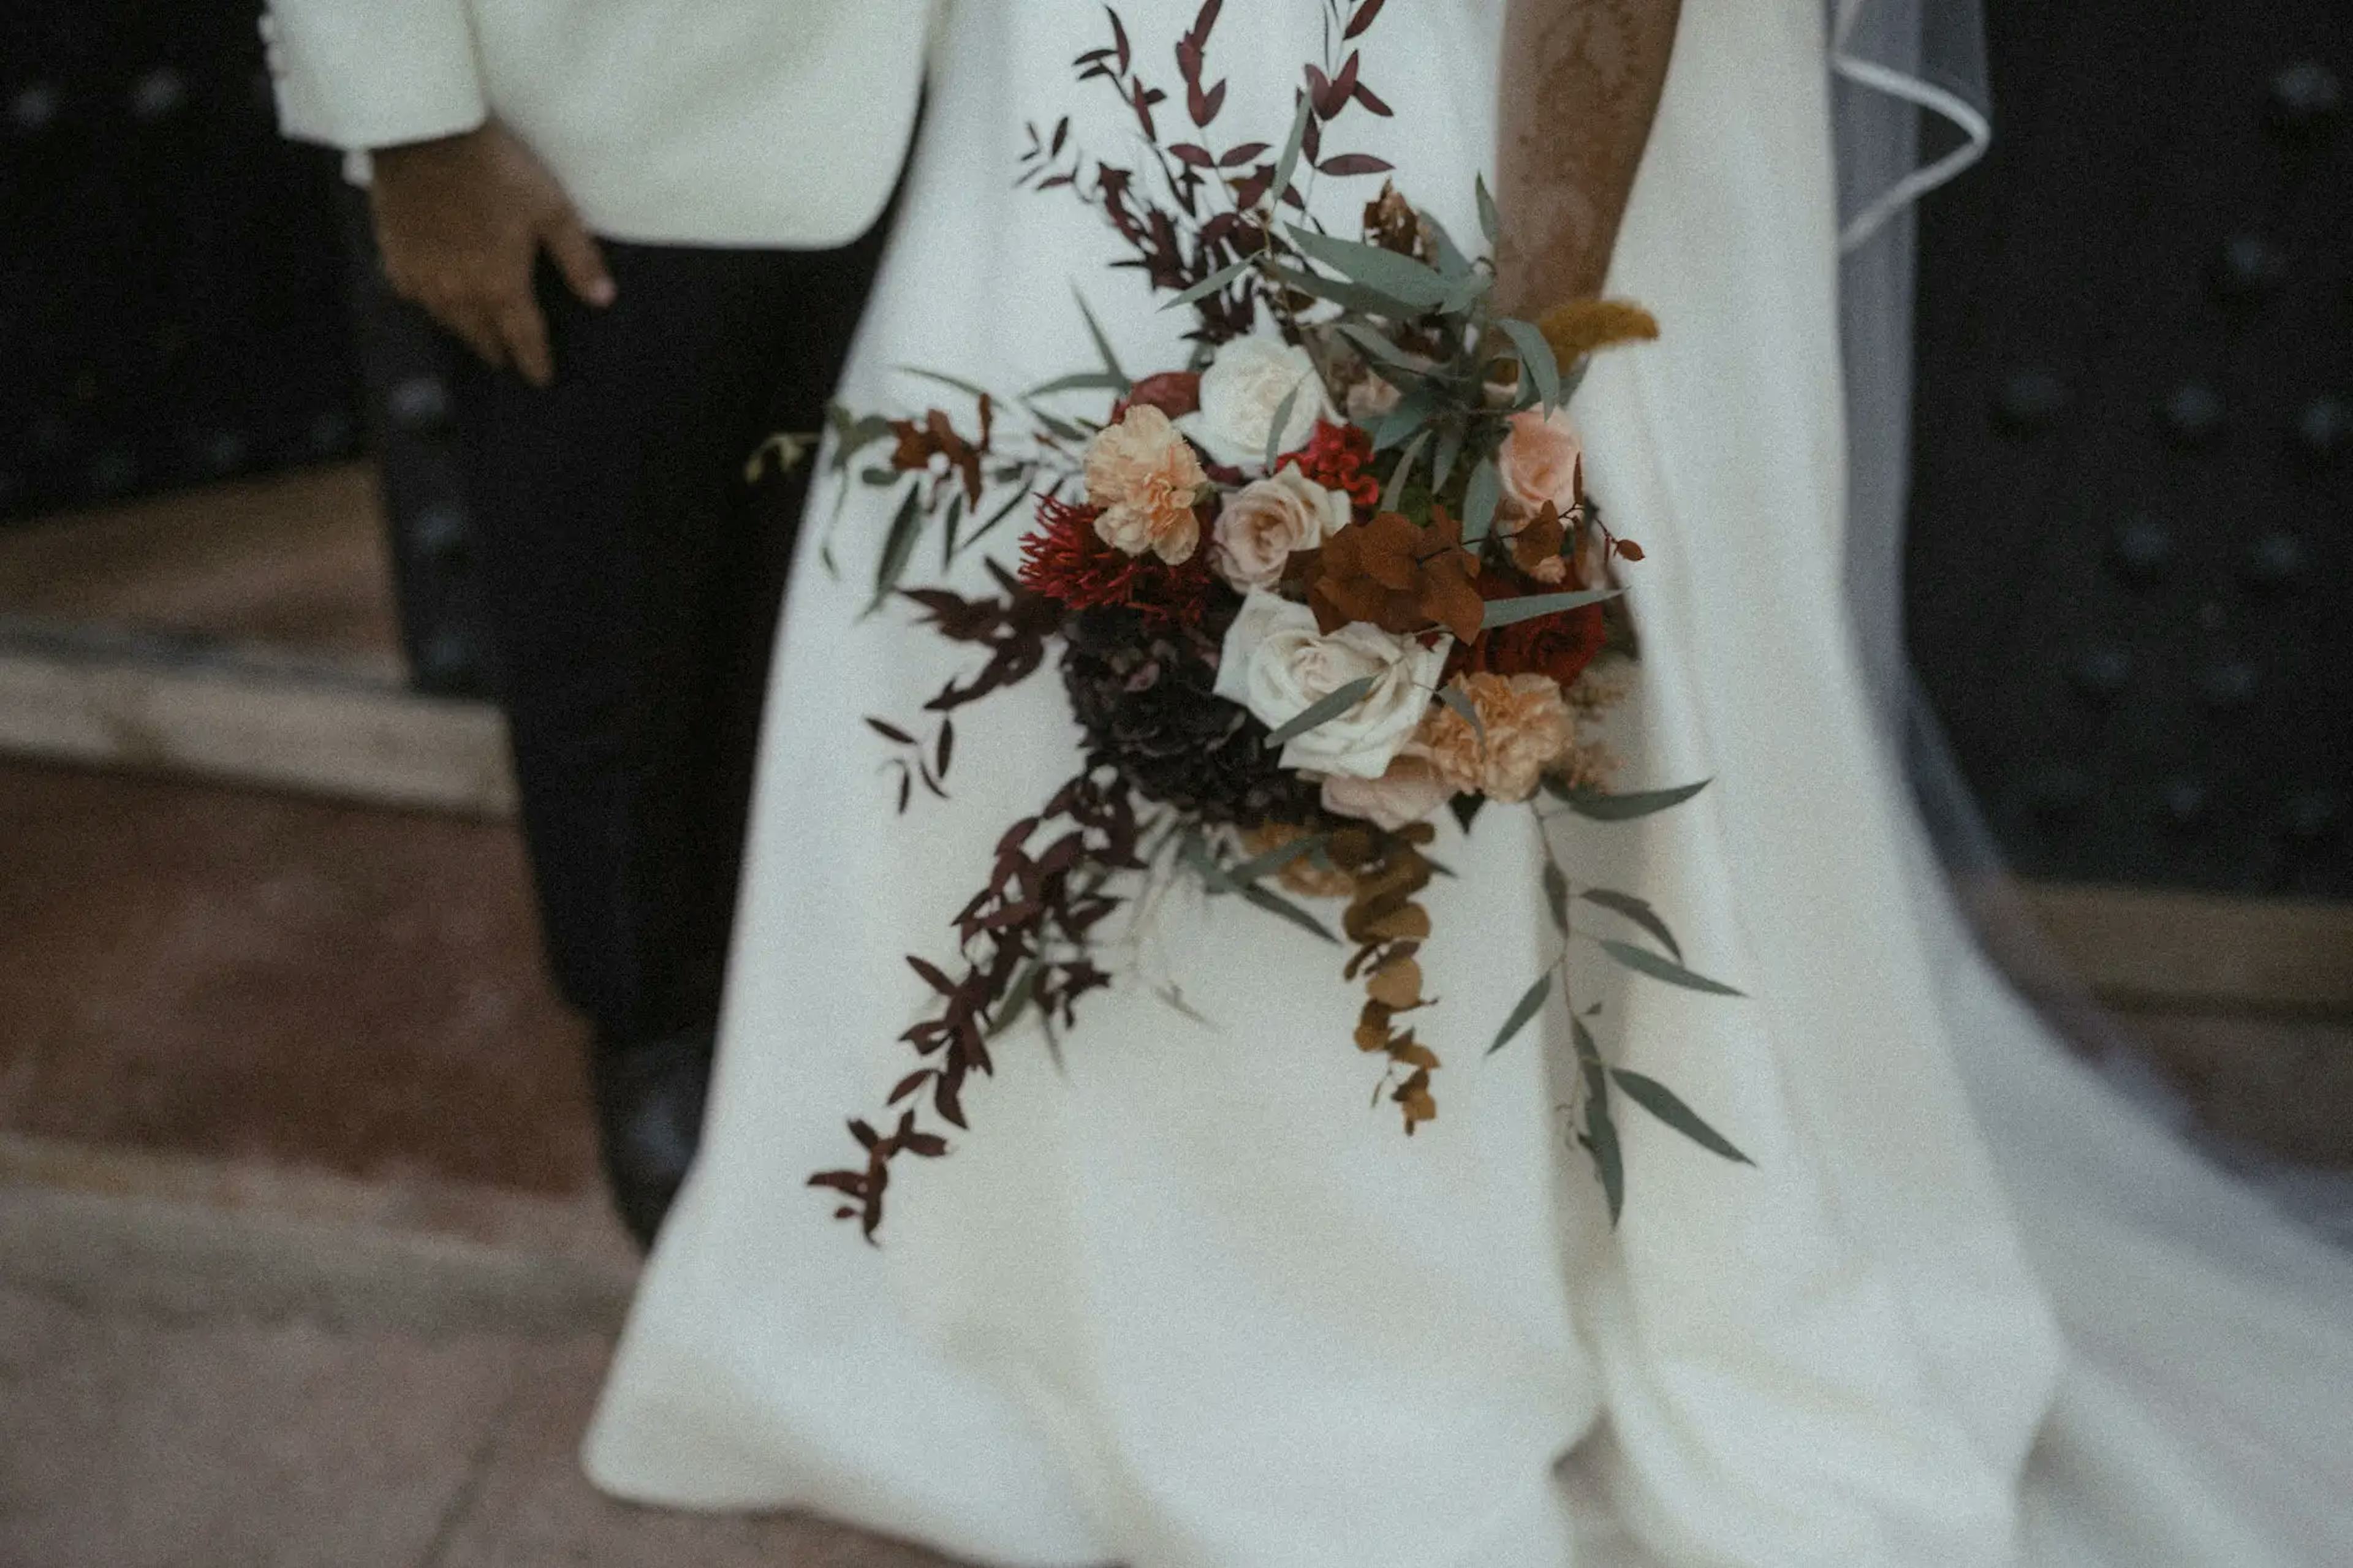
(373, 73)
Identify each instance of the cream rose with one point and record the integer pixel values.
(1276, 664)
(1264, 524)
(1409, 791)
(1146, 479)
(1242, 391)
(1541, 461)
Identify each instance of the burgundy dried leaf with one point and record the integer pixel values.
(1061, 135)
(866, 1135)
(1193, 155)
(1119, 33)
(1206, 21)
(1237, 156)
(909, 1085)
(1348, 164)
(932, 976)
(926, 1145)
(1366, 96)
(1366, 15)
(949, 1101)
(890, 732)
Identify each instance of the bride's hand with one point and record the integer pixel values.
(1581, 84)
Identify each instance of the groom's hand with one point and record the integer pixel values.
(460, 222)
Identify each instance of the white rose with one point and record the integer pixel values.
(1264, 524)
(1276, 664)
(1241, 392)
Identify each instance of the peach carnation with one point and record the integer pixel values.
(1527, 728)
(1145, 478)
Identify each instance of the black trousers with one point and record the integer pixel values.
(632, 578)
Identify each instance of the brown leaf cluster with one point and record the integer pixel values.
(1036, 900)
(936, 437)
(1399, 576)
(1387, 870)
(1583, 326)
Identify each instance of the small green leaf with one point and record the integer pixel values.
(1535, 357)
(1102, 342)
(898, 545)
(1376, 347)
(1085, 380)
(1640, 911)
(1404, 471)
(1324, 710)
(1480, 501)
(1216, 282)
(1601, 807)
(1282, 414)
(953, 521)
(1288, 164)
(1535, 606)
(1402, 278)
(1491, 221)
(1524, 1012)
(958, 384)
(1643, 961)
(1465, 710)
(1555, 889)
(1451, 259)
(1347, 296)
(1276, 859)
(1017, 1000)
(1662, 1102)
(1449, 452)
(1403, 421)
(999, 515)
(1276, 904)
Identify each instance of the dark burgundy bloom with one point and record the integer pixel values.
(1175, 393)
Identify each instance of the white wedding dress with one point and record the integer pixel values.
(1192, 1304)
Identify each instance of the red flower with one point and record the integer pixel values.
(1175, 393)
(1065, 560)
(1558, 646)
(1340, 458)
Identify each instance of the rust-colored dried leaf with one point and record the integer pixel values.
(1396, 984)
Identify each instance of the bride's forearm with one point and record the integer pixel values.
(1580, 85)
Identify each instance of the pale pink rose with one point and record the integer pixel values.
(1264, 524)
(1409, 791)
(1145, 478)
(1541, 461)
(1526, 727)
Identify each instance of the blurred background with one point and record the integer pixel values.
(293, 1136)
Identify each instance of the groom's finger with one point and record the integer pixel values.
(524, 330)
(578, 258)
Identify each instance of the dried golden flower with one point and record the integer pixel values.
(1145, 478)
(1583, 326)
(1302, 876)
(1527, 728)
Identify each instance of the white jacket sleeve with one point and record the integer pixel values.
(373, 73)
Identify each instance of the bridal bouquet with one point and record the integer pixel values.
(1335, 574)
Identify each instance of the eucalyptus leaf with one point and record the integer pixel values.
(1600, 1141)
(1282, 413)
(1640, 911)
(1348, 295)
(1276, 904)
(898, 545)
(999, 515)
(1288, 163)
(1404, 471)
(1535, 358)
(1400, 277)
(1535, 606)
(1449, 452)
(957, 382)
(1555, 891)
(1411, 413)
(1480, 501)
(1276, 859)
(1643, 961)
(1324, 710)
(1376, 347)
(1017, 1000)
(1215, 282)
(1600, 807)
(1102, 342)
(1085, 380)
(1662, 1102)
(1524, 1011)
(1465, 710)
(953, 521)
(1452, 262)
(1491, 221)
